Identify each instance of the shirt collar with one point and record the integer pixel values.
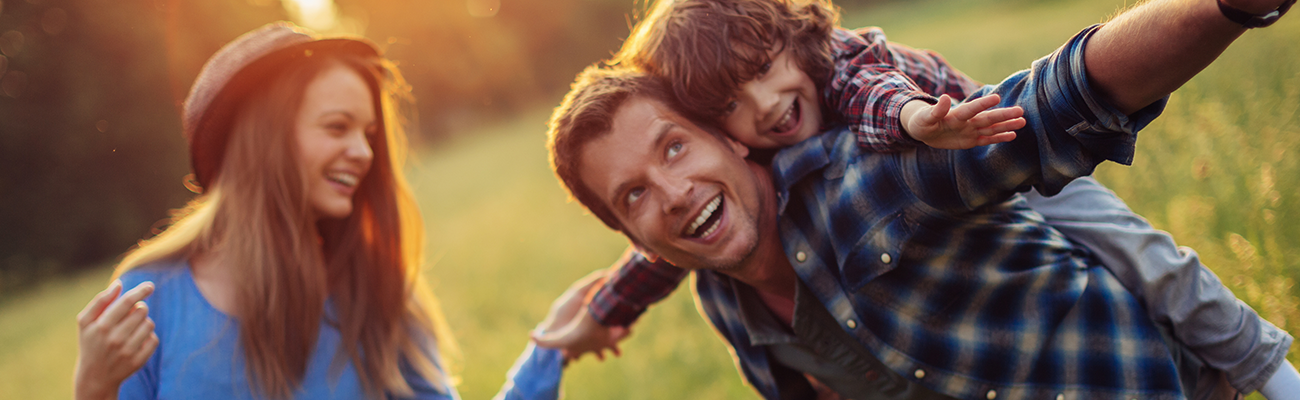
(792, 164)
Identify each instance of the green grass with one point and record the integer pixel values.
(1218, 170)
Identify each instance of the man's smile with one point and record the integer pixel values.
(706, 222)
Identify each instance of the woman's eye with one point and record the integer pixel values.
(634, 194)
(336, 127)
(767, 66)
(674, 149)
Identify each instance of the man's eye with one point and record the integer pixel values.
(634, 194)
(674, 149)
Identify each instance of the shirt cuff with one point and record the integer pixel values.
(1102, 129)
(536, 375)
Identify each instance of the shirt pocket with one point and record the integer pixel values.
(876, 252)
(924, 281)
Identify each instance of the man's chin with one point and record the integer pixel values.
(735, 257)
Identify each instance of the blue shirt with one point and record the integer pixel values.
(199, 357)
(931, 260)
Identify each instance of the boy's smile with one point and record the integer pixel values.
(778, 108)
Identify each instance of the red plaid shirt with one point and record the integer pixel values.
(872, 80)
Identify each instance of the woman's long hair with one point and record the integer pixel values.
(257, 219)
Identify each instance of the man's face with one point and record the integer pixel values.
(679, 192)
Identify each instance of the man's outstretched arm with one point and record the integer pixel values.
(1149, 51)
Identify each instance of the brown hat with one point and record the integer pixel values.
(234, 71)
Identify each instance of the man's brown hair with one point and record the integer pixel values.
(707, 49)
(586, 114)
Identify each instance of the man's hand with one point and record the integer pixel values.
(971, 124)
(116, 337)
(570, 328)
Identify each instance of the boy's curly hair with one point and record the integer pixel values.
(707, 49)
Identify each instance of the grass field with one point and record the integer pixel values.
(1218, 170)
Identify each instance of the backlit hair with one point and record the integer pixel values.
(257, 218)
(707, 49)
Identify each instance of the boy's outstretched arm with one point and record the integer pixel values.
(1149, 51)
(971, 124)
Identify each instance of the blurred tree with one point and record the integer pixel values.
(90, 147)
(91, 154)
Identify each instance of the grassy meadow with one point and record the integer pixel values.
(1219, 170)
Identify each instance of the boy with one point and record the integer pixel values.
(767, 71)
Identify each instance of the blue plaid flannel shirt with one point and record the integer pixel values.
(932, 260)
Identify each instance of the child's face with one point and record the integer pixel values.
(776, 109)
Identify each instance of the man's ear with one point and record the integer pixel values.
(737, 146)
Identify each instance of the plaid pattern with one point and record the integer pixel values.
(874, 79)
(635, 285)
(932, 261)
(869, 72)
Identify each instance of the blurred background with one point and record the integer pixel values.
(92, 158)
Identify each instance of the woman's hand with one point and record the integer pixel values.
(116, 337)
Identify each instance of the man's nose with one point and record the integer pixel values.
(676, 191)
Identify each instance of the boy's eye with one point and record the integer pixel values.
(634, 194)
(729, 108)
(674, 149)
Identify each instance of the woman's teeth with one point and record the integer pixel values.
(344, 178)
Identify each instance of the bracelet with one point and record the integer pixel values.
(1249, 20)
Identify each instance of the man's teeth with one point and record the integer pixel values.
(704, 216)
(344, 178)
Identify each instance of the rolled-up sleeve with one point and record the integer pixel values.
(1069, 130)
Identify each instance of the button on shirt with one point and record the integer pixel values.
(979, 294)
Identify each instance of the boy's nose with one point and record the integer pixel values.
(763, 97)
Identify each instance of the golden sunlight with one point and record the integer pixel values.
(321, 15)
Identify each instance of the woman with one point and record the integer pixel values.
(295, 274)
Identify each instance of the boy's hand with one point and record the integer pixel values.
(116, 337)
(571, 329)
(971, 124)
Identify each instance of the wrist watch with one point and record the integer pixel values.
(1249, 20)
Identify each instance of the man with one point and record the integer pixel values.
(900, 293)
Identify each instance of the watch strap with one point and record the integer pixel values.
(1249, 20)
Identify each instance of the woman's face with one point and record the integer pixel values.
(333, 127)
